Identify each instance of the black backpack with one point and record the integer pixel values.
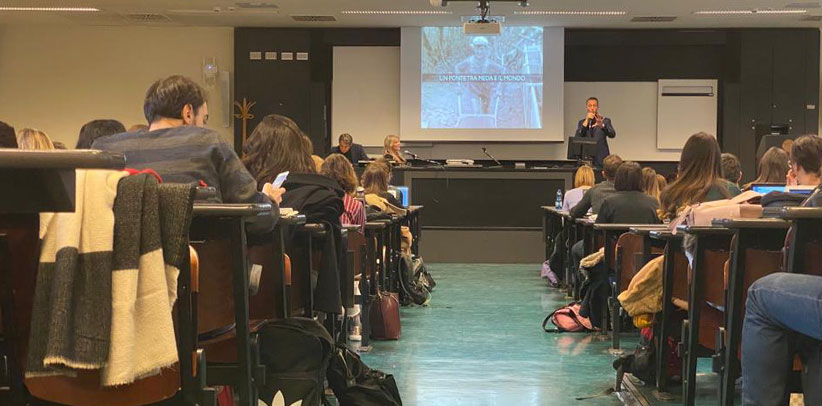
(295, 353)
(422, 275)
(413, 289)
(354, 384)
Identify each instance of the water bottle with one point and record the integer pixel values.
(558, 203)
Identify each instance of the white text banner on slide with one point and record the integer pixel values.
(506, 88)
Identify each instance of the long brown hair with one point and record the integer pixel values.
(337, 167)
(773, 167)
(699, 171)
(277, 145)
(375, 179)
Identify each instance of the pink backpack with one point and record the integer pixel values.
(568, 319)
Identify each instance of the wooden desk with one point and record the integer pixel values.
(765, 236)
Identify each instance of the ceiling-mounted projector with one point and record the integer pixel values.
(481, 27)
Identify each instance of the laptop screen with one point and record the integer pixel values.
(765, 188)
(404, 191)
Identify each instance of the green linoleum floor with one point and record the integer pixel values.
(480, 343)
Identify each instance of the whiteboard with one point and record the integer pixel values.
(632, 108)
(365, 93)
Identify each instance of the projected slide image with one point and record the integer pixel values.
(481, 82)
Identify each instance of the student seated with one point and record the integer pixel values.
(700, 177)
(731, 168)
(773, 167)
(351, 151)
(180, 150)
(337, 167)
(650, 182)
(96, 129)
(29, 138)
(806, 162)
(629, 205)
(583, 180)
(391, 150)
(593, 198)
(8, 139)
(783, 315)
(375, 182)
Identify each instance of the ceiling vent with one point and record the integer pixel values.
(803, 5)
(816, 18)
(147, 18)
(653, 19)
(313, 19)
(256, 6)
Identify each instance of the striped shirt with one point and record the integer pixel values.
(188, 155)
(354, 213)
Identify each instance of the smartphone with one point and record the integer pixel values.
(280, 179)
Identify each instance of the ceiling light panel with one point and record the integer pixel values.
(749, 12)
(571, 13)
(52, 9)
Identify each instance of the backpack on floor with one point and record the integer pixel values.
(413, 290)
(568, 319)
(295, 352)
(421, 274)
(355, 384)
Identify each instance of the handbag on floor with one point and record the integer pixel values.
(384, 315)
(567, 318)
(355, 384)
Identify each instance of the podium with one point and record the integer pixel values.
(582, 148)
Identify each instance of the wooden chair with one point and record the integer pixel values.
(624, 256)
(706, 300)
(674, 285)
(225, 330)
(413, 222)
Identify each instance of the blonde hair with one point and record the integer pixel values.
(318, 162)
(388, 144)
(584, 176)
(29, 138)
(650, 183)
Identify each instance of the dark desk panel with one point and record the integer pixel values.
(483, 203)
(486, 215)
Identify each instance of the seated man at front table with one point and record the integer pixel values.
(180, 150)
(353, 152)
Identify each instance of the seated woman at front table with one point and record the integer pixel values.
(337, 167)
(583, 180)
(630, 204)
(392, 149)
